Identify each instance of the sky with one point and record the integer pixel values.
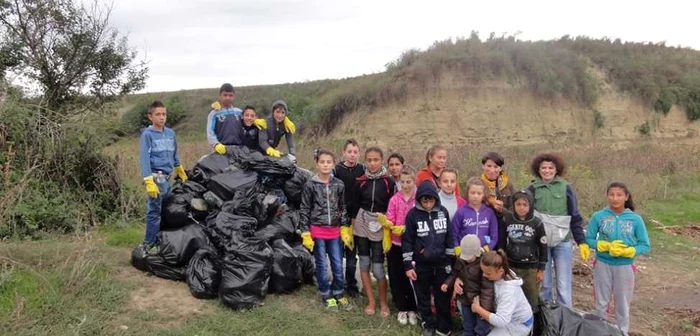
(204, 43)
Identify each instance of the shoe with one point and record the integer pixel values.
(428, 332)
(403, 318)
(330, 304)
(142, 250)
(412, 318)
(343, 303)
(437, 332)
(152, 249)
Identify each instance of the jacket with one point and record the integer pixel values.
(158, 151)
(224, 126)
(526, 245)
(373, 195)
(558, 198)
(322, 204)
(482, 223)
(428, 236)
(511, 304)
(397, 211)
(627, 226)
(349, 177)
(272, 136)
(427, 174)
(501, 189)
(475, 284)
(251, 138)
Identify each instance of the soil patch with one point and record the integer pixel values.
(692, 231)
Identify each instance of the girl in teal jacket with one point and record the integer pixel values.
(619, 235)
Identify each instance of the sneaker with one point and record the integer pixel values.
(330, 304)
(403, 318)
(412, 318)
(142, 250)
(343, 303)
(437, 332)
(152, 249)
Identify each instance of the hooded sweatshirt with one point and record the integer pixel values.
(511, 304)
(349, 177)
(397, 211)
(626, 226)
(224, 126)
(526, 245)
(482, 223)
(428, 236)
(275, 131)
(451, 202)
(158, 151)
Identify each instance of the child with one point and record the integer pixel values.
(399, 205)
(277, 126)
(526, 246)
(374, 190)
(157, 158)
(436, 159)
(395, 163)
(224, 121)
(250, 130)
(323, 223)
(448, 198)
(619, 235)
(513, 315)
(426, 244)
(348, 171)
(475, 217)
(468, 269)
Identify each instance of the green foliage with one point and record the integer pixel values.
(122, 236)
(137, 117)
(644, 129)
(598, 119)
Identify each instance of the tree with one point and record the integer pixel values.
(69, 51)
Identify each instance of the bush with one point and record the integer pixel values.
(598, 119)
(137, 117)
(644, 128)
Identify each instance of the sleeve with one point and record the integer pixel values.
(408, 241)
(455, 224)
(643, 246)
(211, 126)
(506, 307)
(307, 199)
(449, 239)
(486, 293)
(450, 281)
(542, 245)
(176, 156)
(289, 137)
(144, 155)
(493, 229)
(576, 219)
(262, 139)
(354, 201)
(592, 231)
(507, 201)
(391, 210)
(341, 206)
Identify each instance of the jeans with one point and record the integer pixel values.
(332, 248)
(561, 257)
(153, 210)
(473, 324)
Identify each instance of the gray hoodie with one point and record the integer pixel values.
(511, 303)
(275, 131)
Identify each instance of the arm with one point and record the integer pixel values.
(449, 240)
(408, 242)
(211, 124)
(262, 139)
(355, 197)
(486, 294)
(391, 210)
(504, 311)
(341, 206)
(542, 246)
(456, 223)
(493, 229)
(592, 231)
(643, 245)
(307, 199)
(576, 219)
(176, 156)
(290, 143)
(144, 155)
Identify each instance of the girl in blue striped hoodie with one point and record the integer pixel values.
(619, 235)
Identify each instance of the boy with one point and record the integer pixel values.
(157, 158)
(224, 121)
(277, 126)
(251, 132)
(426, 244)
(348, 171)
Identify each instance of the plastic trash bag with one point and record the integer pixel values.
(234, 183)
(177, 211)
(176, 248)
(138, 260)
(294, 186)
(245, 274)
(203, 274)
(283, 226)
(209, 166)
(226, 228)
(256, 161)
(560, 320)
(286, 269)
(306, 262)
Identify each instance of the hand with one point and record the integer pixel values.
(603, 246)
(216, 105)
(307, 241)
(260, 123)
(540, 275)
(585, 252)
(476, 304)
(273, 152)
(459, 290)
(220, 149)
(411, 274)
(398, 230)
(616, 248)
(386, 241)
(386, 223)
(498, 205)
(486, 248)
(629, 252)
(443, 288)
(181, 173)
(151, 187)
(289, 125)
(346, 236)
(458, 251)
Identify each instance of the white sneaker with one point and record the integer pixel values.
(412, 318)
(403, 318)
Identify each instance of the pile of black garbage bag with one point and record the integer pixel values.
(230, 231)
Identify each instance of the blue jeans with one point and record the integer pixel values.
(153, 210)
(472, 324)
(561, 256)
(332, 248)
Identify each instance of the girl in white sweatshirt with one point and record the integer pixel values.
(513, 316)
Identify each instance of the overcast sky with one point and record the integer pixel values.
(203, 43)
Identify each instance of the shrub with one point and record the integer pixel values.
(137, 117)
(644, 128)
(598, 119)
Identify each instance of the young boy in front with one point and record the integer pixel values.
(224, 121)
(426, 244)
(158, 159)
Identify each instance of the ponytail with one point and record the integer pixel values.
(629, 204)
(497, 259)
(431, 152)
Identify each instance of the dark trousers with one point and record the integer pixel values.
(350, 269)
(430, 278)
(401, 289)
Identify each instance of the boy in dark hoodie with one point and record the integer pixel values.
(426, 244)
(277, 126)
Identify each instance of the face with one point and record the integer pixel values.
(427, 203)
(373, 160)
(279, 114)
(439, 159)
(351, 153)
(475, 194)
(448, 182)
(395, 167)
(492, 170)
(324, 164)
(249, 117)
(226, 98)
(158, 117)
(548, 171)
(492, 273)
(407, 183)
(522, 207)
(617, 198)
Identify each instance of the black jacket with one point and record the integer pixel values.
(349, 176)
(428, 235)
(373, 195)
(250, 138)
(526, 245)
(475, 284)
(322, 204)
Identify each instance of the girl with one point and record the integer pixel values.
(513, 315)
(475, 217)
(619, 235)
(277, 126)
(374, 189)
(322, 219)
(499, 188)
(436, 159)
(448, 197)
(395, 163)
(556, 205)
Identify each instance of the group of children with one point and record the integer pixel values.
(489, 251)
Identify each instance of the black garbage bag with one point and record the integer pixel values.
(225, 228)
(560, 320)
(233, 183)
(203, 274)
(306, 262)
(138, 260)
(176, 247)
(256, 161)
(248, 201)
(208, 166)
(177, 211)
(283, 226)
(294, 186)
(245, 274)
(162, 269)
(286, 269)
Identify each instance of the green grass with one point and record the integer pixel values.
(678, 211)
(128, 235)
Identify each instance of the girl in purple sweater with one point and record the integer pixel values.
(475, 217)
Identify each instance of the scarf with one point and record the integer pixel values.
(496, 186)
(374, 176)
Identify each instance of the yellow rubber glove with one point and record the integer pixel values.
(151, 187)
(458, 251)
(260, 123)
(346, 236)
(307, 241)
(398, 230)
(618, 248)
(289, 125)
(585, 251)
(387, 224)
(629, 252)
(216, 105)
(603, 246)
(219, 148)
(386, 241)
(181, 173)
(486, 248)
(273, 152)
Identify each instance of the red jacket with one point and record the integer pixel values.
(426, 174)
